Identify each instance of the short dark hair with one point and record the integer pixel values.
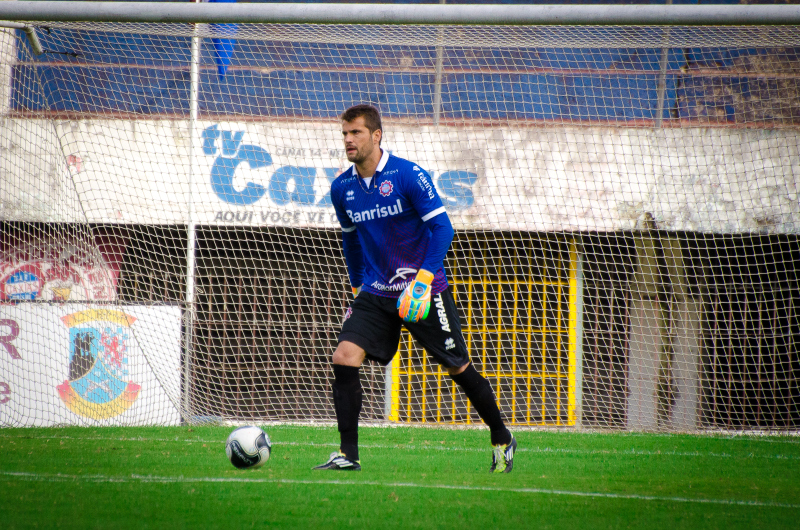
(372, 118)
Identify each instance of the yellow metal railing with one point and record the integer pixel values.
(521, 334)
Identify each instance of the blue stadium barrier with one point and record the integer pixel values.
(148, 75)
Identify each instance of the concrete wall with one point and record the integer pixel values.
(665, 339)
(717, 180)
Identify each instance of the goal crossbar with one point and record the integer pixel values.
(512, 15)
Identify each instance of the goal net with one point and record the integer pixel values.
(625, 202)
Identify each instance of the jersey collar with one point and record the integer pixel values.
(381, 164)
(384, 159)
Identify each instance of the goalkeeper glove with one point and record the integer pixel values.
(356, 290)
(415, 301)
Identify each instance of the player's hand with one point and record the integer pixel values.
(356, 290)
(415, 301)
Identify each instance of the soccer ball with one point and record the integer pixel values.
(248, 447)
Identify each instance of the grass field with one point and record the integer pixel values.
(179, 477)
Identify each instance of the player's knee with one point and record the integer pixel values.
(455, 370)
(348, 354)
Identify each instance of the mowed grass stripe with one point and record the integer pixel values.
(434, 446)
(57, 477)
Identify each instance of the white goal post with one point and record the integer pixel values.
(400, 14)
(623, 181)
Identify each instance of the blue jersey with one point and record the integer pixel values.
(389, 217)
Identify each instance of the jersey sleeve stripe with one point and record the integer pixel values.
(350, 229)
(434, 213)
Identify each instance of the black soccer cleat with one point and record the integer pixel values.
(503, 456)
(338, 461)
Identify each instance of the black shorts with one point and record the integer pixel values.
(374, 324)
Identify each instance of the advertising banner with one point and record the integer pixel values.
(278, 173)
(87, 364)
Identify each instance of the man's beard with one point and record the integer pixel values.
(356, 157)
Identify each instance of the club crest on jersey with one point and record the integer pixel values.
(386, 188)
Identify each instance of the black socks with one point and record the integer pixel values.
(480, 393)
(347, 396)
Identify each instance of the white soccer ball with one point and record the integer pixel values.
(248, 447)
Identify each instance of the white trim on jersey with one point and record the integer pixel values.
(431, 215)
(349, 229)
(384, 159)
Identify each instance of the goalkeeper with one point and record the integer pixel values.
(395, 235)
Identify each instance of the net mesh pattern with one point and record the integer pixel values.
(625, 202)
